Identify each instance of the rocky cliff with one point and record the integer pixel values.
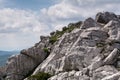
(88, 50)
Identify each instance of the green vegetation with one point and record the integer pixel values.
(116, 66)
(71, 28)
(100, 44)
(40, 76)
(113, 41)
(52, 33)
(55, 35)
(64, 28)
(53, 39)
(118, 69)
(46, 50)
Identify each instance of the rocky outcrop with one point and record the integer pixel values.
(2, 72)
(89, 50)
(115, 76)
(105, 17)
(102, 73)
(21, 65)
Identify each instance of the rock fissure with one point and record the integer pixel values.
(88, 50)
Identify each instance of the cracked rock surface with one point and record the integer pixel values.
(89, 52)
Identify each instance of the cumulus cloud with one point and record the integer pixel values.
(65, 11)
(22, 28)
(80, 8)
(15, 20)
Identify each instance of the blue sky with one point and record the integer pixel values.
(29, 4)
(23, 21)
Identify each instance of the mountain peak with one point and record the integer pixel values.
(86, 50)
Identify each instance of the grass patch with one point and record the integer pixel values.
(71, 28)
(57, 34)
(40, 76)
(101, 44)
(46, 50)
(53, 39)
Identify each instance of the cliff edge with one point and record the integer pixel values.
(86, 50)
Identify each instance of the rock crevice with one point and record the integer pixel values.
(88, 50)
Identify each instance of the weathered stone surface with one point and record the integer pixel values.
(113, 28)
(77, 24)
(89, 23)
(97, 62)
(115, 76)
(111, 58)
(98, 74)
(73, 75)
(19, 66)
(103, 72)
(75, 55)
(81, 50)
(2, 72)
(90, 52)
(105, 17)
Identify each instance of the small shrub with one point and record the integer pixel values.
(40, 76)
(70, 30)
(118, 69)
(64, 28)
(52, 33)
(46, 50)
(101, 44)
(53, 39)
(113, 41)
(59, 33)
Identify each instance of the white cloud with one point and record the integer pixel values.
(20, 20)
(22, 28)
(80, 8)
(66, 11)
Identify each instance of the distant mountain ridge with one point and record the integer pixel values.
(4, 56)
(7, 52)
(86, 50)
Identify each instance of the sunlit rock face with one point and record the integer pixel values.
(88, 50)
(19, 66)
(93, 47)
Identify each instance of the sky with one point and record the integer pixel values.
(22, 22)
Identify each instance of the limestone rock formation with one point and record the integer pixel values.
(105, 17)
(21, 65)
(2, 72)
(88, 50)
